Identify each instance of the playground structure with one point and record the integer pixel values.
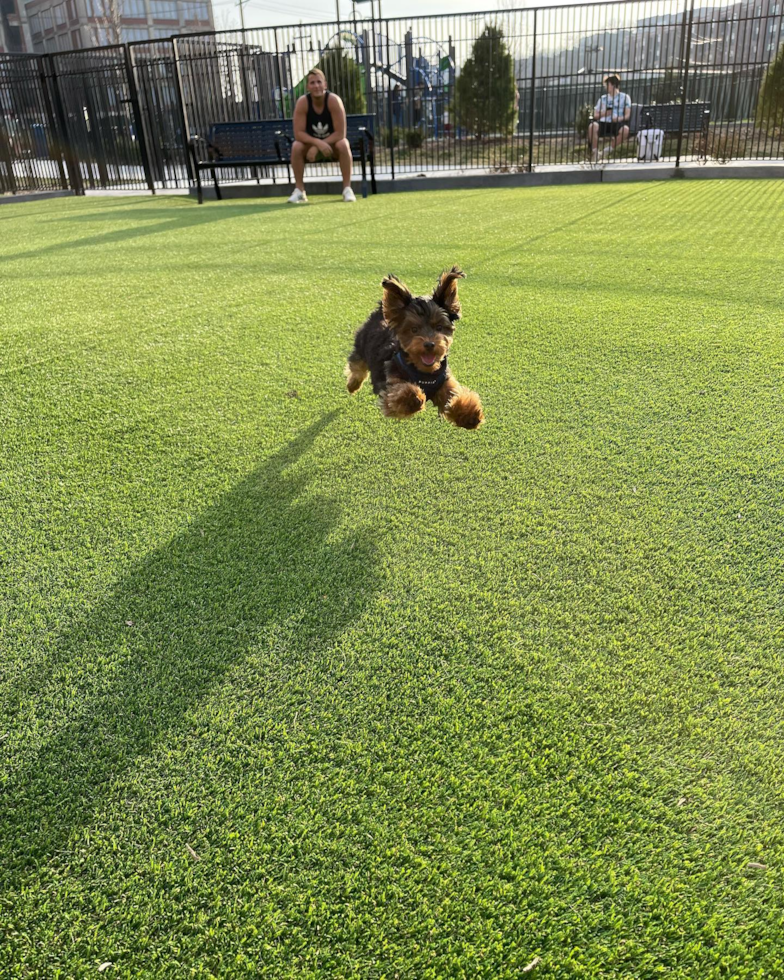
(411, 81)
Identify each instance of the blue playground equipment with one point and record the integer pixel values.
(423, 68)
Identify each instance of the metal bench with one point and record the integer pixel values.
(241, 145)
(667, 117)
(359, 133)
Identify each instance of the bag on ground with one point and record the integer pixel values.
(649, 144)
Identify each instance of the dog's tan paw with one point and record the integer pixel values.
(465, 411)
(355, 373)
(402, 400)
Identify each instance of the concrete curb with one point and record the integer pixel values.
(432, 181)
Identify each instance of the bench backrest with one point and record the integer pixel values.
(256, 139)
(668, 117)
(252, 140)
(354, 125)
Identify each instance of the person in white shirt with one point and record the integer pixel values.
(610, 118)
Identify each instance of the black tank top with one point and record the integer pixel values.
(319, 124)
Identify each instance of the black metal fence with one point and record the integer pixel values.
(501, 90)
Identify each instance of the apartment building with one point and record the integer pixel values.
(63, 25)
(12, 26)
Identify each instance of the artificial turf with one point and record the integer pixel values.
(292, 690)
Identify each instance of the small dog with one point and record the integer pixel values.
(403, 346)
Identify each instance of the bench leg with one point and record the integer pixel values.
(199, 194)
(364, 168)
(215, 181)
(373, 174)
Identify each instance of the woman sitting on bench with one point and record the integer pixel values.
(319, 134)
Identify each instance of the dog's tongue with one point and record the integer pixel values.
(428, 359)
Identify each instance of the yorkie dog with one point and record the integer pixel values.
(403, 346)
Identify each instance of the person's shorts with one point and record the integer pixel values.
(611, 128)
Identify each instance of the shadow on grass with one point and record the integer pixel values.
(257, 564)
(180, 217)
(169, 217)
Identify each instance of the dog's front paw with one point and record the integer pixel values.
(402, 400)
(465, 410)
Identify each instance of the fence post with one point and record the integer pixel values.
(532, 108)
(390, 111)
(280, 79)
(52, 123)
(409, 49)
(69, 152)
(186, 129)
(685, 94)
(368, 80)
(8, 160)
(137, 117)
(244, 75)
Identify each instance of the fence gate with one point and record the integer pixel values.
(155, 75)
(30, 151)
(102, 118)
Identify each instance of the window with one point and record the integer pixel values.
(70, 6)
(134, 9)
(194, 10)
(59, 15)
(35, 24)
(135, 34)
(161, 32)
(164, 10)
(76, 39)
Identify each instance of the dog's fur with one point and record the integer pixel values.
(421, 327)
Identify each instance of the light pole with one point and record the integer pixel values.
(241, 5)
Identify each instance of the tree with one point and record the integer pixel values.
(344, 78)
(485, 89)
(770, 104)
(667, 88)
(106, 28)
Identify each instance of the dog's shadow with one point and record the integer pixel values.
(261, 561)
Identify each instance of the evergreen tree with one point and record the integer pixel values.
(485, 89)
(344, 78)
(770, 103)
(668, 88)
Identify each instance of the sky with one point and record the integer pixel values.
(269, 13)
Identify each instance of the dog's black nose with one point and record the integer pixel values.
(429, 345)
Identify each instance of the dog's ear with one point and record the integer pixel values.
(397, 296)
(445, 293)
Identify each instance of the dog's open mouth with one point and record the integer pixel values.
(428, 359)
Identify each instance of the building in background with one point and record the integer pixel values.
(12, 26)
(64, 25)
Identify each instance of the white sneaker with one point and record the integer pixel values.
(298, 197)
(348, 195)
(607, 151)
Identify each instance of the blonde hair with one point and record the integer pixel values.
(319, 72)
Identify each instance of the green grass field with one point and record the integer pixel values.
(291, 690)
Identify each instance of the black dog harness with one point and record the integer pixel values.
(429, 383)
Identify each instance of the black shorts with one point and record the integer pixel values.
(611, 128)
